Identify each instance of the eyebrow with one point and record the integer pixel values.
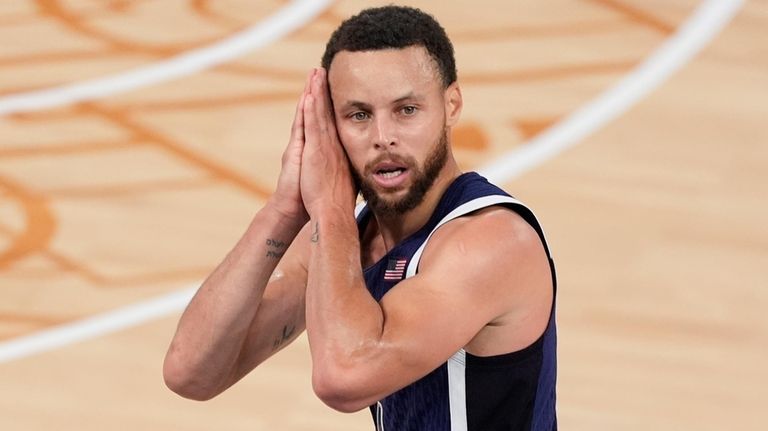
(357, 105)
(410, 96)
(363, 106)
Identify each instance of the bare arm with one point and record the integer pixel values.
(363, 350)
(237, 319)
(253, 302)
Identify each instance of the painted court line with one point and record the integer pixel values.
(94, 326)
(272, 28)
(706, 22)
(693, 35)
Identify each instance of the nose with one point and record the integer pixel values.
(383, 133)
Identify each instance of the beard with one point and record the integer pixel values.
(422, 180)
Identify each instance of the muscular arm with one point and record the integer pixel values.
(249, 307)
(363, 351)
(246, 310)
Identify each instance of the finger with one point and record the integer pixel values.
(308, 81)
(324, 109)
(310, 121)
(326, 89)
(320, 109)
(323, 91)
(297, 128)
(330, 115)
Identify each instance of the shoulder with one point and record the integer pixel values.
(496, 234)
(491, 256)
(490, 261)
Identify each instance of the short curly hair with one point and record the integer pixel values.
(394, 27)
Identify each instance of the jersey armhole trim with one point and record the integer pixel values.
(463, 209)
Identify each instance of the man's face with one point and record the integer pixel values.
(391, 117)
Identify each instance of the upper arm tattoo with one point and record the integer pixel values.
(284, 336)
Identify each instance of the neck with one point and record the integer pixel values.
(393, 229)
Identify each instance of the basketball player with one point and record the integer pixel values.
(432, 303)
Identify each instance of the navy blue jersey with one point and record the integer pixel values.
(513, 391)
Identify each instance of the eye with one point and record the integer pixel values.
(408, 110)
(359, 116)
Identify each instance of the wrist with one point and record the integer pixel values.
(331, 211)
(334, 218)
(287, 214)
(287, 223)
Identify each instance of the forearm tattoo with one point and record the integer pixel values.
(276, 248)
(288, 331)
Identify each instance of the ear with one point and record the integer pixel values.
(453, 104)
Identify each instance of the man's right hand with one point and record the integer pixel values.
(287, 197)
(252, 304)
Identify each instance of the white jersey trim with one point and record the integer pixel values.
(457, 390)
(459, 211)
(359, 208)
(457, 387)
(457, 364)
(379, 416)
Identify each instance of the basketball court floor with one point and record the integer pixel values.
(138, 138)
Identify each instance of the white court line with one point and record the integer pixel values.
(272, 28)
(706, 22)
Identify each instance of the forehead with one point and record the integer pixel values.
(364, 75)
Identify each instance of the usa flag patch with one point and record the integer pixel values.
(395, 269)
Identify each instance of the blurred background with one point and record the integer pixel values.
(139, 137)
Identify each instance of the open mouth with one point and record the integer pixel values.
(390, 172)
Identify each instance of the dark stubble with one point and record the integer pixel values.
(423, 179)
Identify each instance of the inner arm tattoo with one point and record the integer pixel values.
(288, 331)
(276, 248)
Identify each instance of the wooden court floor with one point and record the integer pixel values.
(656, 218)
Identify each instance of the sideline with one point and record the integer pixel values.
(703, 25)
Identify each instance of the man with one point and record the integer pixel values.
(435, 305)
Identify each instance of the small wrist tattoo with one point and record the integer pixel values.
(316, 234)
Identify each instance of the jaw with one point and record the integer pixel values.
(387, 195)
